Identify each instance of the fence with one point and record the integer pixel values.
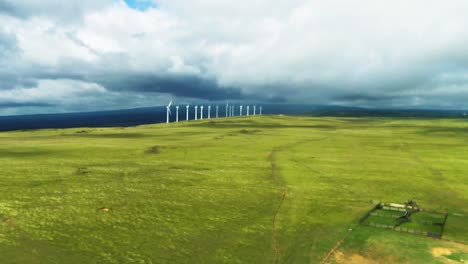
(374, 212)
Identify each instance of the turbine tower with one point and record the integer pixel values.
(227, 106)
(201, 112)
(260, 110)
(240, 110)
(248, 110)
(233, 110)
(217, 108)
(196, 112)
(254, 109)
(168, 111)
(177, 114)
(186, 112)
(209, 111)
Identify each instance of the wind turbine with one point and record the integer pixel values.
(254, 109)
(240, 110)
(168, 111)
(196, 112)
(260, 110)
(209, 111)
(177, 114)
(227, 106)
(248, 110)
(201, 112)
(186, 112)
(217, 108)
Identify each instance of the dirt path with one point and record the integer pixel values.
(273, 165)
(272, 156)
(274, 242)
(275, 176)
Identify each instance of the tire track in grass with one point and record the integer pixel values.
(437, 173)
(274, 241)
(445, 191)
(272, 158)
(273, 165)
(275, 176)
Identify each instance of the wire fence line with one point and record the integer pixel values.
(404, 229)
(439, 219)
(427, 222)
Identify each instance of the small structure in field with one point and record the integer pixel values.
(408, 217)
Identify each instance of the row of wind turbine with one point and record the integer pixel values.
(230, 111)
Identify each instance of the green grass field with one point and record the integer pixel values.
(263, 189)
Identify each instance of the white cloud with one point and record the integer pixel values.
(62, 11)
(353, 52)
(52, 91)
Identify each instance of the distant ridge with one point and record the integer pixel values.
(150, 115)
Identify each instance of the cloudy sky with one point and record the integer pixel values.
(86, 55)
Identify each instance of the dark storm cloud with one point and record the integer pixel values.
(297, 51)
(24, 104)
(177, 85)
(363, 97)
(8, 82)
(275, 99)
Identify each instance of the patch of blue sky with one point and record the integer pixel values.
(141, 5)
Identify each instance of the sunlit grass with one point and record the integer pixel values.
(208, 191)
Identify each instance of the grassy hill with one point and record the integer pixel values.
(263, 189)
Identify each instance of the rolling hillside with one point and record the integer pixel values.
(263, 189)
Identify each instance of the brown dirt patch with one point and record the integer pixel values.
(341, 258)
(441, 251)
(460, 246)
(353, 258)
(333, 251)
(9, 222)
(104, 209)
